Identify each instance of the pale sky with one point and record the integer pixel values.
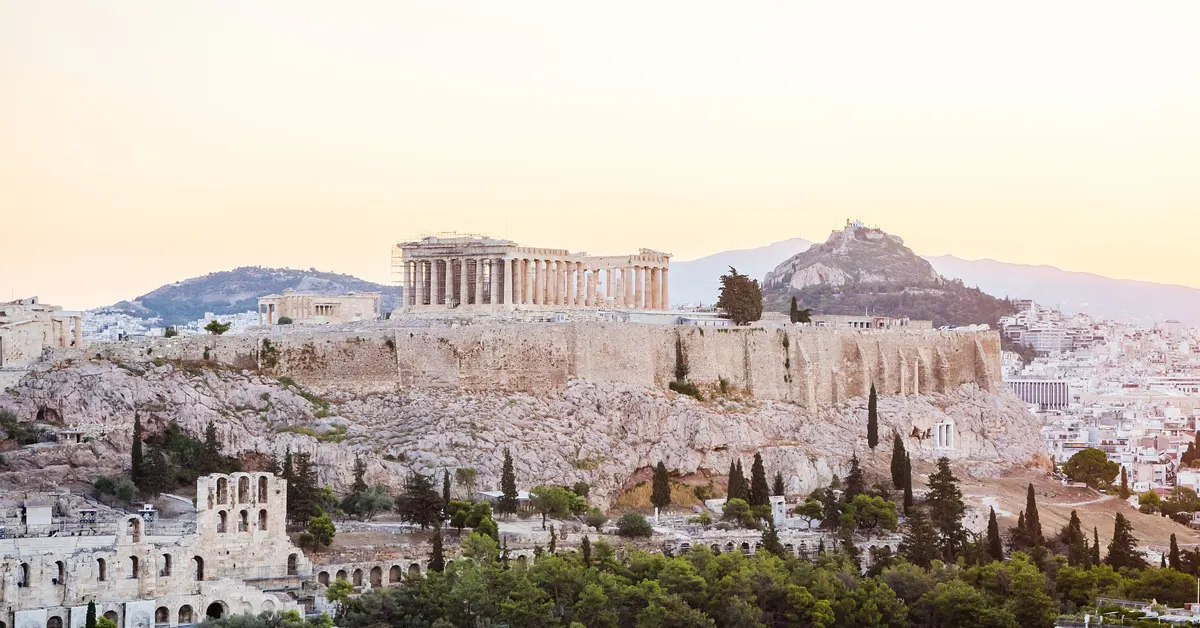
(146, 142)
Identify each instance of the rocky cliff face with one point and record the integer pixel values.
(600, 433)
(856, 254)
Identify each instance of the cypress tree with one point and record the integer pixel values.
(1033, 523)
(1122, 549)
(856, 481)
(585, 548)
(136, 461)
(660, 495)
(1018, 539)
(212, 450)
(760, 491)
(437, 561)
(445, 489)
(794, 311)
(1175, 563)
(899, 460)
(908, 494)
(360, 473)
(995, 547)
(1095, 546)
(872, 419)
(777, 487)
(1077, 548)
(737, 484)
(946, 509)
(1162, 561)
(90, 622)
(1125, 492)
(508, 486)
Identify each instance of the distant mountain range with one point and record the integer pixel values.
(698, 280)
(237, 290)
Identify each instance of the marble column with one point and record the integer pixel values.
(78, 331)
(526, 282)
(591, 289)
(580, 282)
(539, 281)
(419, 289)
(463, 294)
(479, 281)
(564, 277)
(506, 298)
(552, 282)
(666, 294)
(447, 286)
(608, 284)
(652, 300)
(639, 292)
(260, 308)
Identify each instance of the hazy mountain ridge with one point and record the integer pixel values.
(698, 280)
(238, 290)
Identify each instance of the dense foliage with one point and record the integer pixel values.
(741, 298)
(946, 303)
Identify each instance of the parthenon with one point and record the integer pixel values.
(473, 271)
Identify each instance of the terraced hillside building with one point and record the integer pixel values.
(449, 271)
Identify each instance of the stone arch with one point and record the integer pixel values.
(376, 577)
(262, 519)
(414, 569)
(522, 560)
(262, 489)
(267, 607)
(112, 616)
(745, 548)
(101, 570)
(357, 578)
(293, 567)
(323, 578)
(222, 521)
(162, 616)
(729, 546)
(60, 572)
(133, 568)
(396, 575)
(243, 490)
(198, 563)
(716, 548)
(133, 527)
(340, 575)
(243, 521)
(216, 610)
(165, 570)
(185, 614)
(222, 490)
(54, 622)
(790, 549)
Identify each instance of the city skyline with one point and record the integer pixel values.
(159, 142)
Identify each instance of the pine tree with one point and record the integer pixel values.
(1122, 549)
(777, 487)
(760, 491)
(908, 493)
(920, 543)
(437, 561)
(856, 481)
(90, 622)
(1095, 546)
(1125, 492)
(899, 460)
(1033, 524)
(770, 540)
(660, 494)
(360, 473)
(585, 548)
(994, 546)
(946, 509)
(420, 503)
(137, 463)
(155, 472)
(508, 486)
(1175, 563)
(1077, 547)
(872, 419)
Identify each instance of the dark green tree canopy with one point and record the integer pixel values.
(741, 298)
(1092, 467)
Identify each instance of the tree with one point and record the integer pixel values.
(155, 472)
(856, 481)
(1174, 562)
(437, 560)
(419, 503)
(465, 478)
(90, 621)
(212, 452)
(585, 549)
(634, 525)
(898, 461)
(868, 512)
(1149, 502)
(908, 492)
(920, 543)
(737, 483)
(596, 519)
(740, 298)
(137, 462)
(946, 509)
(995, 547)
(777, 487)
(445, 487)
(1077, 548)
(660, 494)
(217, 328)
(360, 473)
(557, 501)
(322, 530)
(1122, 549)
(508, 486)
(1033, 523)
(1095, 546)
(760, 492)
(872, 418)
(797, 315)
(958, 604)
(770, 540)
(1092, 467)
(811, 509)
(367, 503)
(1125, 492)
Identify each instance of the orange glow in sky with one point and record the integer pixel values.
(146, 142)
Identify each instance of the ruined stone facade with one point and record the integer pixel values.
(235, 558)
(302, 308)
(27, 327)
(451, 271)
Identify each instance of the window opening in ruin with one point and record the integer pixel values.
(323, 578)
(165, 571)
(111, 616)
(222, 519)
(291, 564)
(185, 614)
(262, 520)
(243, 521)
(199, 562)
(394, 574)
(162, 616)
(222, 491)
(133, 567)
(134, 529)
(54, 622)
(216, 610)
(23, 575)
(340, 575)
(376, 577)
(414, 569)
(243, 490)
(262, 490)
(60, 572)
(101, 570)
(357, 578)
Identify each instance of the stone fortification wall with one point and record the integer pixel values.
(810, 366)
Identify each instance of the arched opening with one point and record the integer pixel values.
(134, 529)
(292, 564)
(185, 614)
(376, 577)
(101, 570)
(111, 616)
(729, 546)
(267, 607)
(323, 578)
(216, 610)
(521, 560)
(340, 575)
(716, 549)
(745, 548)
(414, 569)
(243, 490)
(54, 622)
(262, 489)
(789, 548)
(198, 564)
(222, 491)
(133, 567)
(262, 520)
(357, 578)
(395, 574)
(60, 572)
(222, 521)
(243, 521)
(164, 568)
(162, 616)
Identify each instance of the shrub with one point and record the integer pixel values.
(702, 519)
(634, 525)
(170, 332)
(686, 388)
(284, 320)
(596, 519)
